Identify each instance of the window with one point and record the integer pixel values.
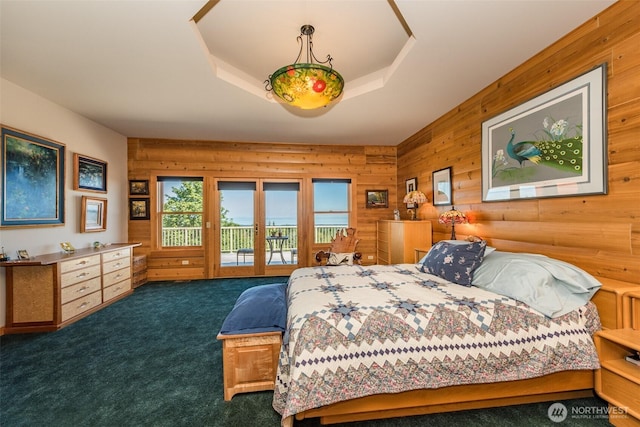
(180, 216)
(330, 207)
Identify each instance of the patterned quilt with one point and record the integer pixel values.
(360, 330)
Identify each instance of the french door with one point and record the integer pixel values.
(256, 227)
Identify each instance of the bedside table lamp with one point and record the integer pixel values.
(415, 198)
(453, 217)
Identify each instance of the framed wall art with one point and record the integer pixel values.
(138, 209)
(32, 191)
(138, 187)
(553, 145)
(411, 185)
(377, 198)
(89, 174)
(94, 214)
(442, 187)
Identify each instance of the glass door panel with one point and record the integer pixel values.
(281, 222)
(238, 224)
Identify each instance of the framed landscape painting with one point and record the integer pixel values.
(377, 198)
(32, 180)
(138, 209)
(89, 174)
(138, 187)
(553, 145)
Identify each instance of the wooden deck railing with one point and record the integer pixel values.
(234, 238)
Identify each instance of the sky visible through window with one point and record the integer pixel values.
(281, 205)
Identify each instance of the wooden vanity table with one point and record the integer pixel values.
(48, 292)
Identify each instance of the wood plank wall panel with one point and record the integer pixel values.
(599, 233)
(369, 167)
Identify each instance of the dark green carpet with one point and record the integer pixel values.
(152, 360)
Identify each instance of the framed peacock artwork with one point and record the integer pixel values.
(553, 145)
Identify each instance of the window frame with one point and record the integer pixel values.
(349, 212)
(161, 213)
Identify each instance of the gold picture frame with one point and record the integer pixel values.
(89, 174)
(94, 215)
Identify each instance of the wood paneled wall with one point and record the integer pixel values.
(598, 233)
(369, 167)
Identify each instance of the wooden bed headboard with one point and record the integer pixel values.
(610, 302)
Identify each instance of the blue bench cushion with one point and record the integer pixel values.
(258, 309)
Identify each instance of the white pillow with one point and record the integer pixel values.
(551, 286)
(340, 258)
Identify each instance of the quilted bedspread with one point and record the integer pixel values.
(360, 330)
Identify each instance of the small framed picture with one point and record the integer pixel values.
(94, 214)
(377, 198)
(89, 174)
(442, 187)
(411, 185)
(138, 209)
(138, 187)
(23, 254)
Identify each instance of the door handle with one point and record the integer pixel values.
(256, 229)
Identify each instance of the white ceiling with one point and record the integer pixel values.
(144, 68)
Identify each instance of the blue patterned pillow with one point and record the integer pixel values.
(454, 262)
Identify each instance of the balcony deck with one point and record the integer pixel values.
(232, 259)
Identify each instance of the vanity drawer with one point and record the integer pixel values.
(78, 276)
(116, 276)
(115, 290)
(80, 289)
(79, 263)
(115, 265)
(119, 254)
(76, 307)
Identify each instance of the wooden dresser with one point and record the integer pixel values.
(398, 240)
(50, 291)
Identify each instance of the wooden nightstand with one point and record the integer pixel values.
(618, 381)
(419, 253)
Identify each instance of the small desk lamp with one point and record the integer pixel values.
(453, 217)
(414, 197)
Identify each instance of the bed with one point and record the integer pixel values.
(456, 331)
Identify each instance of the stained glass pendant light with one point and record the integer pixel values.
(307, 85)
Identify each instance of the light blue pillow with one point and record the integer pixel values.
(258, 309)
(454, 262)
(548, 285)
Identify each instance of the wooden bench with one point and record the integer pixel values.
(249, 362)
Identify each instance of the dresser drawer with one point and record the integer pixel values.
(116, 276)
(80, 289)
(75, 264)
(76, 307)
(115, 265)
(78, 276)
(119, 254)
(115, 290)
